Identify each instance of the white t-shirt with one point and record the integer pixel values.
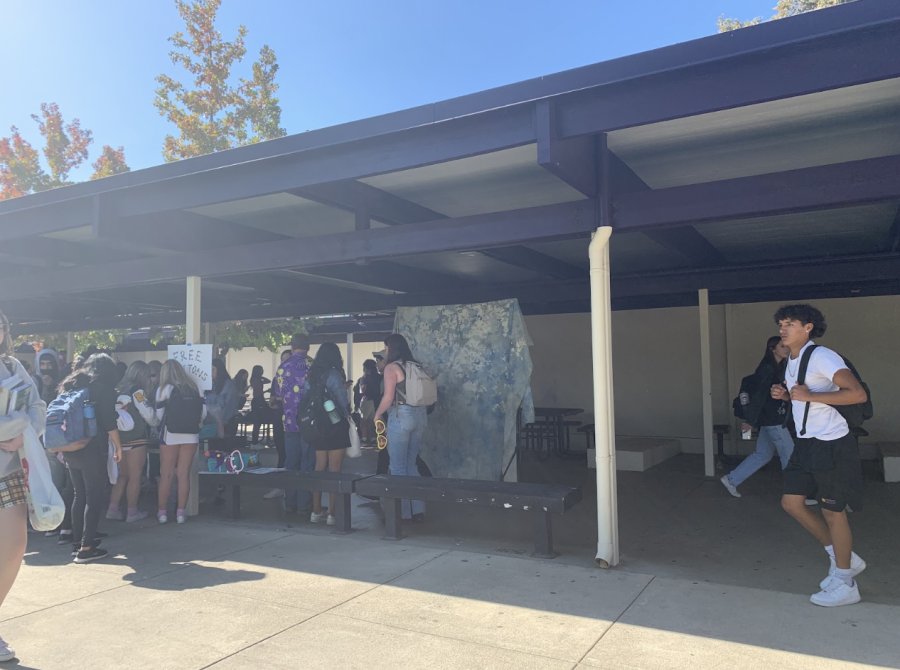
(824, 421)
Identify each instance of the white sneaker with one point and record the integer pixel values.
(331, 521)
(180, 518)
(118, 515)
(274, 493)
(138, 516)
(318, 518)
(837, 593)
(162, 518)
(857, 565)
(732, 489)
(6, 652)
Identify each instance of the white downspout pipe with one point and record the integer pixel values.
(604, 416)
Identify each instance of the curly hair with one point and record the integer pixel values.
(804, 314)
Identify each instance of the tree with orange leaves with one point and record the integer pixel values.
(214, 113)
(65, 148)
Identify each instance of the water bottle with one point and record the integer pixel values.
(333, 415)
(88, 411)
(90, 419)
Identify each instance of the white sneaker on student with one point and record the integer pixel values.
(274, 493)
(162, 518)
(836, 594)
(857, 565)
(331, 521)
(732, 489)
(180, 518)
(6, 652)
(115, 515)
(319, 518)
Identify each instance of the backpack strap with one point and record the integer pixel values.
(801, 379)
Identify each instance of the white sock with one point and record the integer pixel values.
(830, 551)
(845, 576)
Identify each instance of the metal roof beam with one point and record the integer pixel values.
(806, 189)
(563, 221)
(572, 161)
(819, 63)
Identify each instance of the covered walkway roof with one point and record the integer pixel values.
(761, 164)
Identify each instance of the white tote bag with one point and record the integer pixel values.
(354, 450)
(46, 509)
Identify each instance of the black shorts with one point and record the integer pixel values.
(829, 471)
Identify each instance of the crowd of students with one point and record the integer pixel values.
(810, 384)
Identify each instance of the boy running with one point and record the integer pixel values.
(825, 462)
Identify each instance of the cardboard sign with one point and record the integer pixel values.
(196, 359)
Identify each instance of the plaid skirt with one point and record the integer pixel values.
(12, 490)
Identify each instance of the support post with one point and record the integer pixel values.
(70, 348)
(350, 361)
(730, 341)
(706, 380)
(192, 323)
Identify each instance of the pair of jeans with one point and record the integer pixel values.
(63, 483)
(278, 438)
(298, 455)
(405, 430)
(90, 491)
(771, 439)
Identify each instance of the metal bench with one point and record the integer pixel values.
(539, 500)
(342, 484)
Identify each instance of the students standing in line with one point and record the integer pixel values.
(406, 424)
(47, 378)
(181, 409)
(367, 397)
(225, 396)
(825, 462)
(328, 370)
(242, 386)
(258, 401)
(133, 399)
(289, 387)
(766, 413)
(87, 466)
(13, 501)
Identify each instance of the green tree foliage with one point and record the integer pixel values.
(213, 113)
(271, 335)
(65, 148)
(101, 339)
(783, 9)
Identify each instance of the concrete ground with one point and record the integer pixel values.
(706, 581)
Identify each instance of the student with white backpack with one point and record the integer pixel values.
(409, 389)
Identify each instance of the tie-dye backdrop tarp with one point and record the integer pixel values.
(480, 353)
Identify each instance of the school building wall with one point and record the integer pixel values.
(656, 363)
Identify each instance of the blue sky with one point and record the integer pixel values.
(340, 59)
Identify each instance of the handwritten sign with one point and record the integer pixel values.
(196, 359)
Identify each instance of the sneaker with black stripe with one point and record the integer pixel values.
(77, 547)
(89, 555)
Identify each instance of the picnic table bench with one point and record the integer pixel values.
(540, 500)
(342, 484)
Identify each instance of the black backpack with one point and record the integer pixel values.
(184, 413)
(740, 404)
(854, 415)
(312, 418)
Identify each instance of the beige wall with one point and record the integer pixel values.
(656, 362)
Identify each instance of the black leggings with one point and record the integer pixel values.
(90, 490)
(278, 438)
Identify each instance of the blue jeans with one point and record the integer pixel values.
(405, 429)
(771, 438)
(297, 456)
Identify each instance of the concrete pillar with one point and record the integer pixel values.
(192, 312)
(706, 380)
(70, 347)
(193, 336)
(733, 379)
(604, 415)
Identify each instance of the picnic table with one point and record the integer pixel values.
(555, 418)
